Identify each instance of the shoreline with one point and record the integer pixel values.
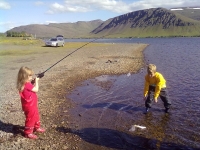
(60, 81)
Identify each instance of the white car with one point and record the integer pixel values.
(57, 41)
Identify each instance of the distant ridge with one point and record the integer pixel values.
(182, 8)
(190, 12)
(154, 22)
(68, 30)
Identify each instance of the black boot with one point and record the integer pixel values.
(166, 110)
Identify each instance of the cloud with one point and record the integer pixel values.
(59, 8)
(4, 5)
(39, 3)
(82, 6)
(47, 22)
(117, 6)
(4, 26)
(50, 12)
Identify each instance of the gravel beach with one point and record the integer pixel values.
(88, 62)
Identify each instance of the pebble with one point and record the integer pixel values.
(9, 97)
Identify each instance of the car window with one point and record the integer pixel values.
(60, 39)
(53, 39)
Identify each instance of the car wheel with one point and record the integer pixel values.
(56, 44)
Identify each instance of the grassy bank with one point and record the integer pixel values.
(14, 46)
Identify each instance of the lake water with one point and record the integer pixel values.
(107, 106)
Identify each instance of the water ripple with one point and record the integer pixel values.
(115, 103)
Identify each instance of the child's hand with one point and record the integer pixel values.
(33, 81)
(37, 79)
(156, 100)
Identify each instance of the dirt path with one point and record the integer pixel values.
(86, 63)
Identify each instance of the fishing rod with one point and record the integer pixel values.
(40, 75)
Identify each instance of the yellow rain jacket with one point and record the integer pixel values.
(157, 80)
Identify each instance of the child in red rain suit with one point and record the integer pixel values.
(29, 101)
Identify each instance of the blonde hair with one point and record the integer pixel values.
(151, 68)
(22, 77)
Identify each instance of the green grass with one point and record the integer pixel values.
(19, 41)
(155, 31)
(16, 52)
(191, 13)
(18, 47)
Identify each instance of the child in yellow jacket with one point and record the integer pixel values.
(155, 85)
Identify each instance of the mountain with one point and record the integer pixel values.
(190, 12)
(68, 30)
(155, 22)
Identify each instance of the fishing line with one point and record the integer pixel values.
(40, 75)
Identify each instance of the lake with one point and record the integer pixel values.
(110, 105)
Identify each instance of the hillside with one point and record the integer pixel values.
(68, 30)
(190, 12)
(155, 22)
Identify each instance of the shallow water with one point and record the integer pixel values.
(107, 106)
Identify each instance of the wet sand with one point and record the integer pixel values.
(89, 62)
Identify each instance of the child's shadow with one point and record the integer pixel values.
(10, 128)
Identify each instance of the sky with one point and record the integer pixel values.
(15, 13)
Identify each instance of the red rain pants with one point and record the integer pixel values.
(32, 120)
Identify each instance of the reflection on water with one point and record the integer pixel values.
(110, 105)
